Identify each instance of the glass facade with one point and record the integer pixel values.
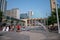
(24, 16)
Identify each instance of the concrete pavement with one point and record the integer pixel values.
(34, 36)
(14, 36)
(2, 33)
(28, 35)
(42, 35)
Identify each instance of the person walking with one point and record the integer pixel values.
(7, 28)
(12, 28)
(18, 28)
(4, 29)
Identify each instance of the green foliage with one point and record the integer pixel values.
(53, 18)
(1, 16)
(11, 21)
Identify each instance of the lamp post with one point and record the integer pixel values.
(57, 16)
(47, 18)
(29, 18)
(30, 15)
(32, 18)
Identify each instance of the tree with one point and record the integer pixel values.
(1, 16)
(53, 19)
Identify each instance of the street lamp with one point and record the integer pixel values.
(47, 18)
(57, 16)
(30, 15)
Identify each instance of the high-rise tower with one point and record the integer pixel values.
(3, 5)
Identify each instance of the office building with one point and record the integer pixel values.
(24, 16)
(30, 13)
(14, 13)
(3, 5)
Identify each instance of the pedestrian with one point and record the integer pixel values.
(4, 29)
(12, 28)
(7, 28)
(18, 28)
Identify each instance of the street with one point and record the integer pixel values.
(30, 35)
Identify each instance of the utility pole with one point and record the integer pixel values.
(47, 18)
(30, 17)
(57, 16)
